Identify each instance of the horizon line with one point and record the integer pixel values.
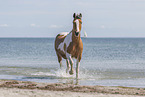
(81, 37)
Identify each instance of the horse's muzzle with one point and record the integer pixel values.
(76, 33)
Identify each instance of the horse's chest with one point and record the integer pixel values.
(75, 51)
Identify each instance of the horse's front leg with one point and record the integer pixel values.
(71, 63)
(71, 72)
(77, 68)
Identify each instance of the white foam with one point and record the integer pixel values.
(61, 73)
(43, 74)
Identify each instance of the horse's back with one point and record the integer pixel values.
(60, 38)
(63, 33)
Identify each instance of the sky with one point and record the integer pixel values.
(47, 18)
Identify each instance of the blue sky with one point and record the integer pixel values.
(47, 18)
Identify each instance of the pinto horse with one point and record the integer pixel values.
(69, 45)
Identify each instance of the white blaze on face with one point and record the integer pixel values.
(77, 25)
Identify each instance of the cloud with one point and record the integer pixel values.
(55, 26)
(3, 25)
(102, 27)
(34, 25)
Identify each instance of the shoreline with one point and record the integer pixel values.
(72, 88)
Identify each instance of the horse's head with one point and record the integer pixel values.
(77, 23)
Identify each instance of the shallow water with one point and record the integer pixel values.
(105, 61)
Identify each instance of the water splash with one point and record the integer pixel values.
(61, 74)
(43, 74)
(56, 74)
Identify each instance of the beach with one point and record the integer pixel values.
(105, 61)
(110, 67)
(13, 88)
(7, 92)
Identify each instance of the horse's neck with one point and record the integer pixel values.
(75, 39)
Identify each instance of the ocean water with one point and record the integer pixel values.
(105, 61)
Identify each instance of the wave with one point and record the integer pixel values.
(61, 74)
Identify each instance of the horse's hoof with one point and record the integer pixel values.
(71, 72)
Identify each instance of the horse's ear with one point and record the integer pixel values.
(74, 15)
(80, 15)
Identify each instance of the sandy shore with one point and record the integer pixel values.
(10, 88)
(14, 92)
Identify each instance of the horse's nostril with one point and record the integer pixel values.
(76, 33)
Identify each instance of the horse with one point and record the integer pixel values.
(69, 45)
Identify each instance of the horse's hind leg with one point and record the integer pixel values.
(68, 65)
(59, 59)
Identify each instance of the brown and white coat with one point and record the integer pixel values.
(69, 45)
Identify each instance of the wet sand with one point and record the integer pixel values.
(12, 88)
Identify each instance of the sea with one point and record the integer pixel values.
(105, 61)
